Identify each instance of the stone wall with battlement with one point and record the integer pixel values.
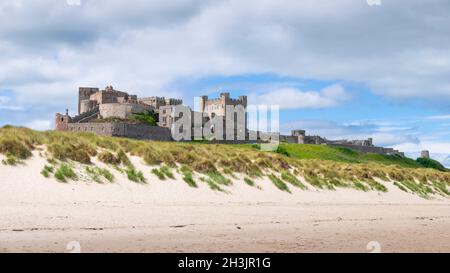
(123, 129)
(217, 106)
(370, 149)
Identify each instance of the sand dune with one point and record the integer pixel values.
(38, 214)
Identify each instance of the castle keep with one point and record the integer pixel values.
(111, 112)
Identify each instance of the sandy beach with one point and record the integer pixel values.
(38, 214)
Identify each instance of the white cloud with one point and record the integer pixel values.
(5, 104)
(399, 49)
(440, 117)
(39, 124)
(292, 98)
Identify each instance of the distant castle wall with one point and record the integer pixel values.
(122, 129)
(370, 149)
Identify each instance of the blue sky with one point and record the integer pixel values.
(341, 69)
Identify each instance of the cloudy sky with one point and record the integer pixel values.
(338, 68)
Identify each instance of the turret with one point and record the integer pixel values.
(61, 121)
(425, 154)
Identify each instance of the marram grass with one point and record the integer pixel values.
(320, 166)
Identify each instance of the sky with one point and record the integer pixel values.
(340, 69)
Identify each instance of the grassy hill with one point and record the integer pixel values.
(290, 166)
(341, 154)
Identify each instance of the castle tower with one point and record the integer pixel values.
(425, 154)
(84, 93)
(298, 132)
(61, 121)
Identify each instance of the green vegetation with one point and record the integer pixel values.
(135, 176)
(149, 117)
(11, 160)
(249, 181)
(340, 154)
(187, 176)
(118, 158)
(279, 183)
(163, 172)
(12, 147)
(47, 170)
(431, 163)
(288, 177)
(167, 172)
(64, 173)
(96, 173)
(159, 174)
(108, 158)
(321, 166)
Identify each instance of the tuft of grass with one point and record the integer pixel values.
(135, 176)
(10, 146)
(80, 152)
(188, 176)
(159, 174)
(163, 172)
(96, 173)
(279, 183)
(123, 158)
(108, 158)
(377, 186)
(218, 178)
(215, 180)
(249, 181)
(288, 177)
(212, 185)
(64, 173)
(167, 172)
(47, 170)
(360, 186)
(106, 174)
(11, 160)
(45, 173)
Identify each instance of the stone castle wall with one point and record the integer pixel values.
(122, 110)
(370, 149)
(122, 129)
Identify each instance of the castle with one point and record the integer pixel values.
(110, 112)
